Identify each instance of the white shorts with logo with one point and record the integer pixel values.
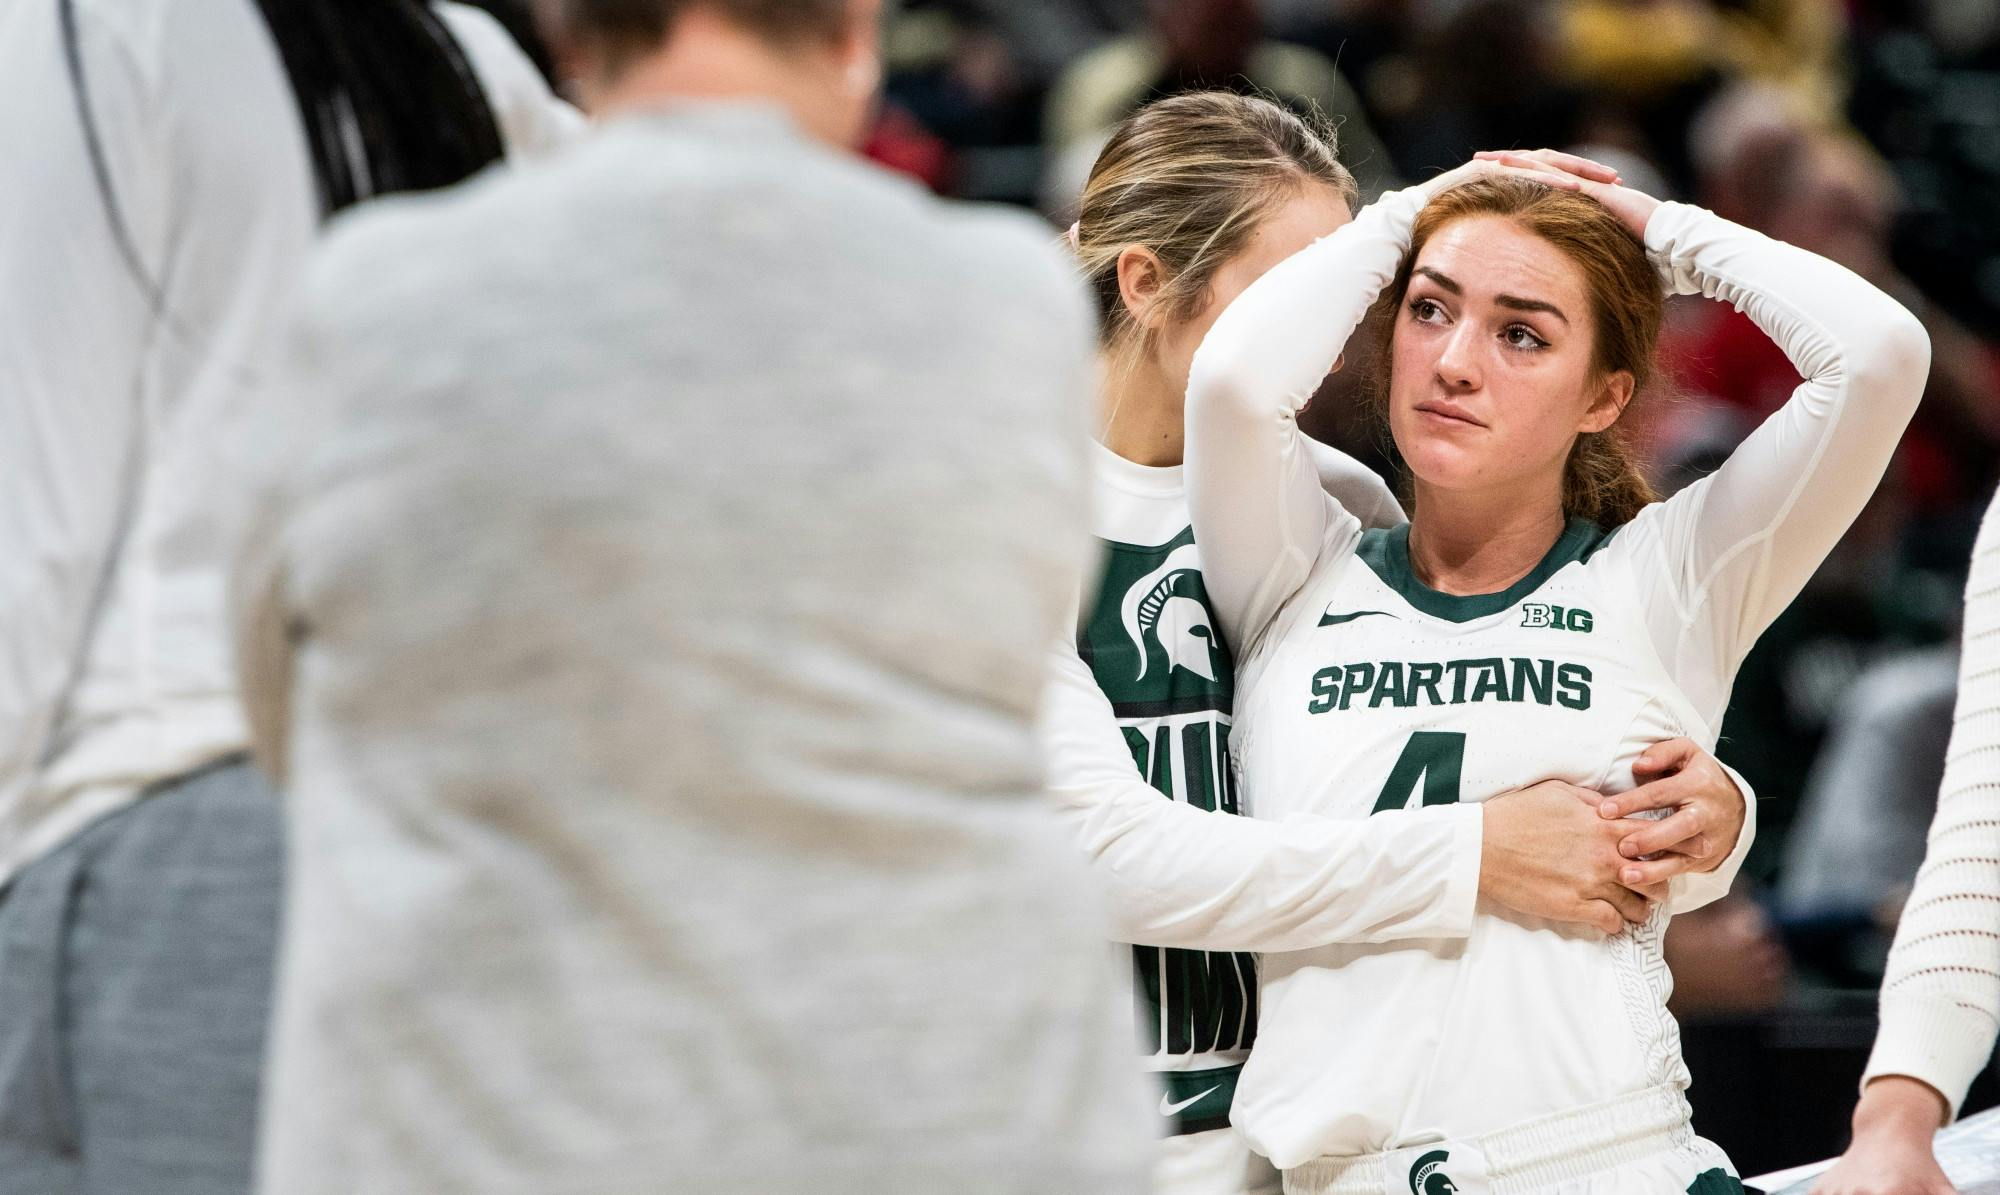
(1640, 1144)
(1217, 1162)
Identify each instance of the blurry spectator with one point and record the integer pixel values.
(1193, 44)
(1640, 48)
(1804, 181)
(1741, 146)
(1358, 35)
(962, 110)
(1809, 187)
(1926, 93)
(1042, 36)
(1487, 75)
(1649, 48)
(1662, 58)
(184, 153)
(907, 147)
(1859, 837)
(956, 71)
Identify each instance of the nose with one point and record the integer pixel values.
(1457, 364)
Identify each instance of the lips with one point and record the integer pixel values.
(1448, 411)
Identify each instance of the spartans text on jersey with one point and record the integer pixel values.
(1407, 684)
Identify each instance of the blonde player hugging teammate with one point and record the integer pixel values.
(1192, 199)
(1540, 615)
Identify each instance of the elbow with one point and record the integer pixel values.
(1217, 389)
(1897, 360)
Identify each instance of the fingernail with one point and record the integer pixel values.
(1608, 809)
(1631, 875)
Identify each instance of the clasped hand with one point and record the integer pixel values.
(1565, 853)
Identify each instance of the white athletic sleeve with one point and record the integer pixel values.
(1260, 515)
(1180, 876)
(1691, 890)
(1359, 490)
(79, 328)
(1723, 557)
(1941, 993)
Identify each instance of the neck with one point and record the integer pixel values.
(708, 58)
(1139, 414)
(1465, 542)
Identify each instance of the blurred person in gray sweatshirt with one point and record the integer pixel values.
(645, 611)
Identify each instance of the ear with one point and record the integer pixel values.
(1141, 278)
(1610, 402)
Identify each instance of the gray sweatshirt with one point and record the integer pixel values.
(645, 609)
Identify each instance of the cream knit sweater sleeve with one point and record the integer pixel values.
(1941, 996)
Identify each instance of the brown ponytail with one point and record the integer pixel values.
(1601, 483)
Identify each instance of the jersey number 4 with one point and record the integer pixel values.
(1433, 759)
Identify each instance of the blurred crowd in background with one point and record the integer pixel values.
(1865, 130)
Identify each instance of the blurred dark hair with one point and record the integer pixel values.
(389, 100)
(386, 96)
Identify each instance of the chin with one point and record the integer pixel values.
(1437, 462)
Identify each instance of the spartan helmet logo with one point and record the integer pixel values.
(1426, 1177)
(1153, 606)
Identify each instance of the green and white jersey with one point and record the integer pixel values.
(1363, 691)
(1151, 643)
(1136, 725)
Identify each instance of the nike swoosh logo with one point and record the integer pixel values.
(1327, 620)
(1167, 1109)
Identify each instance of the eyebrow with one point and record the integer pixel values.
(1514, 302)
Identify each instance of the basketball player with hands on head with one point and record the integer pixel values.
(1540, 616)
(1191, 200)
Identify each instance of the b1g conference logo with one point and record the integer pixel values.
(1556, 618)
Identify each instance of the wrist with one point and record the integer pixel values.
(1897, 1105)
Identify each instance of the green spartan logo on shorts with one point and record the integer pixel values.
(1427, 1177)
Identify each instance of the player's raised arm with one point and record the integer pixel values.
(1258, 507)
(1736, 547)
